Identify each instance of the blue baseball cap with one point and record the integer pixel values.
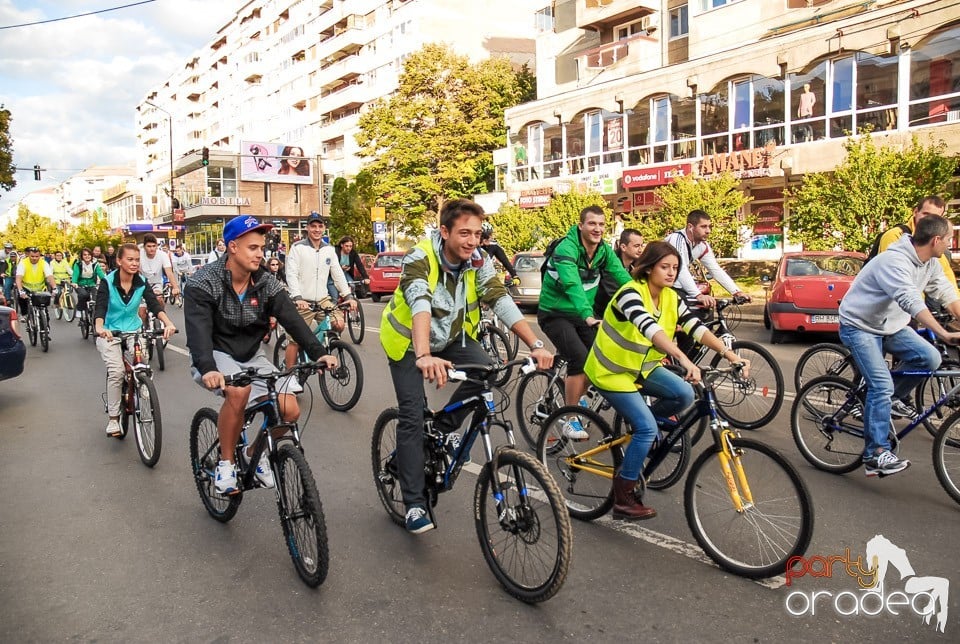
(239, 226)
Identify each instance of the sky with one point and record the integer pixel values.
(72, 85)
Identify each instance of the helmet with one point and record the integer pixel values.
(8, 246)
(486, 230)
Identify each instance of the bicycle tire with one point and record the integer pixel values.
(335, 384)
(946, 456)
(84, 326)
(496, 345)
(356, 324)
(57, 304)
(672, 468)
(279, 352)
(535, 402)
(70, 305)
(513, 340)
(539, 534)
(934, 388)
(774, 527)
(749, 403)
(32, 328)
(44, 331)
(386, 471)
(824, 359)
(304, 526)
(148, 425)
(837, 450)
(204, 456)
(161, 360)
(587, 496)
(124, 407)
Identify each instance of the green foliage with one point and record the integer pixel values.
(8, 178)
(874, 188)
(350, 203)
(433, 140)
(30, 229)
(528, 84)
(520, 229)
(718, 196)
(94, 232)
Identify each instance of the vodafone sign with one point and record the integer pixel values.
(636, 178)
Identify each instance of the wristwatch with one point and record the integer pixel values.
(537, 345)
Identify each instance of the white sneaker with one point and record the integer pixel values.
(289, 385)
(113, 428)
(264, 471)
(572, 429)
(225, 480)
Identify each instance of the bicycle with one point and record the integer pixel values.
(518, 509)
(176, 300)
(86, 314)
(37, 318)
(64, 306)
(158, 344)
(745, 504)
(340, 387)
(298, 501)
(513, 340)
(139, 402)
(495, 344)
(355, 320)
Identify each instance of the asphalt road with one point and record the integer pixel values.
(96, 547)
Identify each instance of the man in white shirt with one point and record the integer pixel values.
(153, 265)
(182, 264)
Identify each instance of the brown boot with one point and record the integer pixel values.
(625, 504)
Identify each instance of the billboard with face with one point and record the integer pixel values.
(275, 163)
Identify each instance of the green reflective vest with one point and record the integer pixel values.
(621, 354)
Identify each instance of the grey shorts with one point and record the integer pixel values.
(228, 366)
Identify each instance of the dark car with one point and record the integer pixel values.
(12, 350)
(806, 291)
(385, 274)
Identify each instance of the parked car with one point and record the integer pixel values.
(13, 351)
(385, 274)
(527, 265)
(806, 291)
(367, 260)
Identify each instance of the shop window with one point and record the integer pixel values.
(638, 131)
(553, 150)
(715, 119)
(535, 149)
(935, 79)
(612, 137)
(661, 128)
(576, 157)
(808, 98)
(876, 92)
(683, 122)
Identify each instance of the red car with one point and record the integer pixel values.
(806, 292)
(385, 274)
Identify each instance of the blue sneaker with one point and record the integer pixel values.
(418, 521)
(573, 430)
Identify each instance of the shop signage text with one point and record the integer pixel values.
(537, 198)
(224, 201)
(635, 178)
(744, 163)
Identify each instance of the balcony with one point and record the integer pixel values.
(604, 13)
(341, 72)
(252, 71)
(635, 49)
(347, 97)
(343, 44)
(336, 126)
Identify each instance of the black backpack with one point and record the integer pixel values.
(875, 249)
(548, 254)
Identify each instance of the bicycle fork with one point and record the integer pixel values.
(731, 467)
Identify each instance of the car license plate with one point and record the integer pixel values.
(391, 274)
(825, 319)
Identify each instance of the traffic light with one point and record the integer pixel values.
(36, 173)
(205, 157)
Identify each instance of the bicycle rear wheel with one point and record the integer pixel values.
(527, 540)
(386, 470)
(751, 402)
(824, 359)
(775, 522)
(69, 305)
(356, 325)
(301, 515)
(496, 345)
(341, 387)
(148, 427)
(538, 395)
(830, 439)
(671, 469)
(44, 318)
(588, 494)
(204, 456)
(946, 456)
(933, 389)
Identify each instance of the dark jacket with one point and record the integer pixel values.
(217, 320)
(355, 269)
(493, 249)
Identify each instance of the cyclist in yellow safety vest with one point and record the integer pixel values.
(635, 335)
(62, 269)
(34, 274)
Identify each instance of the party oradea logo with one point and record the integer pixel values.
(871, 592)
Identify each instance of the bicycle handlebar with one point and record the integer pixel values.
(459, 372)
(248, 375)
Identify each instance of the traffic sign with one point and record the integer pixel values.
(380, 245)
(379, 228)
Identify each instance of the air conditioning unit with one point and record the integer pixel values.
(650, 23)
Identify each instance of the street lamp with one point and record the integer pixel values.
(170, 140)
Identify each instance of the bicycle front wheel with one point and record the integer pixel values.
(539, 394)
(946, 456)
(44, 318)
(496, 345)
(775, 522)
(356, 324)
(69, 305)
(58, 305)
(751, 402)
(386, 468)
(823, 359)
(827, 429)
(84, 326)
(301, 515)
(523, 527)
(341, 387)
(33, 327)
(933, 389)
(204, 456)
(148, 427)
(585, 481)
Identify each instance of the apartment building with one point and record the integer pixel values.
(83, 193)
(632, 94)
(286, 81)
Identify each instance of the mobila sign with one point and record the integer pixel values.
(224, 201)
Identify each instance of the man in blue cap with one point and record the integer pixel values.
(227, 310)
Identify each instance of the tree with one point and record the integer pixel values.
(30, 229)
(523, 229)
(433, 140)
(95, 232)
(875, 187)
(8, 179)
(350, 203)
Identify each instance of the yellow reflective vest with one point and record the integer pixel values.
(621, 354)
(33, 275)
(396, 323)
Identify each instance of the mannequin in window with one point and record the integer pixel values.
(520, 160)
(576, 156)
(805, 110)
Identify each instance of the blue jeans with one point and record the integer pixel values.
(673, 395)
(867, 351)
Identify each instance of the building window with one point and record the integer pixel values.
(221, 182)
(679, 25)
(266, 192)
(935, 79)
(296, 193)
(543, 19)
(707, 5)
(630, 29)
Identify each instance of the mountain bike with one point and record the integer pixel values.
(513, 340)
(496, 344)
(745, 504)
(37, 318)
(64, 306)
(86, 314)
(355, 320)
(523, 528)
(167, 295)
(298, 501)
(340, 387)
